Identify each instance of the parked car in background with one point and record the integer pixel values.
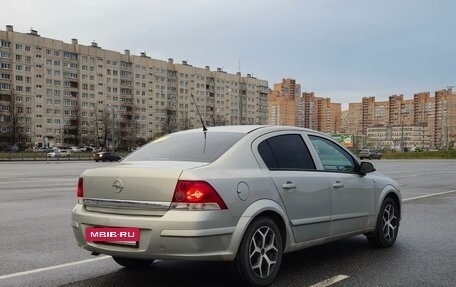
(246, 194)
(42, 149)
(86, 149)
(60, 153)
(369, 154)
(106, 156)
(75, 149)
(11, 148)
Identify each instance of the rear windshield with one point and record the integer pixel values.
(187, 147)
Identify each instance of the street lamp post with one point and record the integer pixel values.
(113, 134)
(112, 126)
(240, 101)
(402, 129)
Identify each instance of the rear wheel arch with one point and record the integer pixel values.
(278, 220)
(262, 208)
(259, 256)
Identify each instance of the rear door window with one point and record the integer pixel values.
(286, 152)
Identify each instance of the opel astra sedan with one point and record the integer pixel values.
(246, 194)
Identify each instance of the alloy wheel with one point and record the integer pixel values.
(390, 222)
(263, 252)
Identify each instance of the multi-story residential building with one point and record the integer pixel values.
(368, 113)
(398, 138)
(283, 103)
(308, 108)
(354, 123)
(329, 115)
(287, 106)
(444, 134)
(433, 116)
(423, 108)
(59, 94)
(320, 114)
(401, 112)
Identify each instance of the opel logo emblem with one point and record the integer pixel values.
(117, 186)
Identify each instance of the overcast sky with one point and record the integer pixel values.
(342, 49)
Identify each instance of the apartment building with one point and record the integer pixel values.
(54, 93)
(287, 106)
(401, 112)
(352, 123)
(283, 103)
(320, 114)
(429, 122)
(398, 138)
(444, 121)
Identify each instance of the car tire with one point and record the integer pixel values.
(260, 253)
(133, 263)
(387, 226)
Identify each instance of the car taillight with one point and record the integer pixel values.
(196, 195)
(80, 189)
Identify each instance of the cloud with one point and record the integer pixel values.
(332, 47)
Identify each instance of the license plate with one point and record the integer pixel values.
(128, 236)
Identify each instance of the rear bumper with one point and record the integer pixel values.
(192, 235)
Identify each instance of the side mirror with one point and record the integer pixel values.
(366, 167)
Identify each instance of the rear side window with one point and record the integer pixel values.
(196, 146)
(286, 152)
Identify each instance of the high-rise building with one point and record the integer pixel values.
(353, 123)
(283, 101)
(320, 114)
(445, 119)
(287, 106)
(401, 112)
(60, 94)
(424, 120)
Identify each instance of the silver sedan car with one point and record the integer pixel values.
(246, 194)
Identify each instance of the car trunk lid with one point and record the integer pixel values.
(134, 187)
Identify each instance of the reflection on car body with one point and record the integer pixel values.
(245, 194)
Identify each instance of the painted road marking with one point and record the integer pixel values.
(324, 283)
(52, 267)
(330, 281)
(428, 195)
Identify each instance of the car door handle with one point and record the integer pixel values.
(288, 185)
(338, 184)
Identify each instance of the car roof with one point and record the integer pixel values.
(245, 129)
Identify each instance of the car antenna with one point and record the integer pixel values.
(202, 122)
(199, 115)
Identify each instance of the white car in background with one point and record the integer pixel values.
(75, 149)
(60, 153)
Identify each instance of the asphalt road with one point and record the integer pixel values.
(37, 246)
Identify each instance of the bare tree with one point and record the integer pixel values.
(101, 126)
(16, 133)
